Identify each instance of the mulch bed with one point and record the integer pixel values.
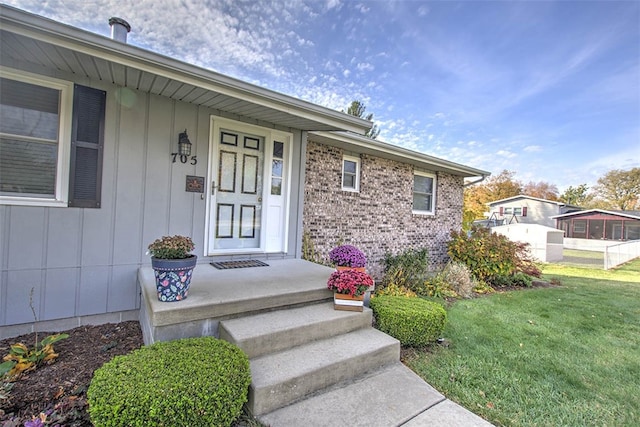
(60, 389)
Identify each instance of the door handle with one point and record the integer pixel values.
(213, 188)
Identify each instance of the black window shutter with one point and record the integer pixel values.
(87, 143)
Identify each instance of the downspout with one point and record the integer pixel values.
(482, 178)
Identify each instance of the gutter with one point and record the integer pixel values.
(482, 178)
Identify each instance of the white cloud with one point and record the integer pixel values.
(365, 66)
(506, 153)
(532, 148)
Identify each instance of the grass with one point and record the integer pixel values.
(580, 258)
(562, 356)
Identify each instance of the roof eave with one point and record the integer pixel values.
(366, 145)
(46, 30)
(631, 216)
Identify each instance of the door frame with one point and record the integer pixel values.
(269, 135)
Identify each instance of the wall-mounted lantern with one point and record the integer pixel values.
(184, 150)
(184, 145)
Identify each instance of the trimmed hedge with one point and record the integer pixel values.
(413, 321)
(189, 382)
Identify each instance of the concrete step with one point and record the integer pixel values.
(387, 397)
(283, 329)
(280, 379)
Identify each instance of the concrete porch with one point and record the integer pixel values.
(215, 295)
(305, 357)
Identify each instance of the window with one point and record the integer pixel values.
(350, 173)
(517, 211)
(580, 226)
(508, 211)
(47, 127)
(424, 193)
(277, 168)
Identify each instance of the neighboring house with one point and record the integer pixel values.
(91, 173)
(599, 224)
(528, 210)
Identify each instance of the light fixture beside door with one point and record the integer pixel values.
(184, 150)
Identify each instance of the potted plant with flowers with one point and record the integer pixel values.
(349, 288)
(173, 266)
(348, 257)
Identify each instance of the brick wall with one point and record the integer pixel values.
(377, 219)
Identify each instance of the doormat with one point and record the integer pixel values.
(226, 265)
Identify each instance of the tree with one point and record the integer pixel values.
(576, 196)
(619, 188)
(494, 188)
(358, 109)
(541, 190)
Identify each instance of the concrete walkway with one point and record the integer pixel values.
(311, 365)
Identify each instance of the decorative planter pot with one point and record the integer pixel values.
(347, 302)
(173, 277)
(361, 269)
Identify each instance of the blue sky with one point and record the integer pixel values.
(548, 89)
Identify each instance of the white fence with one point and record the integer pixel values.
(618, 254)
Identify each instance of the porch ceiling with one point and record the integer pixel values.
(27, 40)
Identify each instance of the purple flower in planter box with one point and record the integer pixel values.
(347, 256)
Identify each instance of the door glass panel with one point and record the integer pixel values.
(278, 150)
(247, 221)
(249, 174)
(227, 172)
(224, 220)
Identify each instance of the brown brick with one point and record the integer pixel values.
(377, 219)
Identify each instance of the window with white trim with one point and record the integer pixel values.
(51, 139)
(424, 193)
(35, 123)
(350, 173)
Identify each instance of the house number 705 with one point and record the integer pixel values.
(183, 158)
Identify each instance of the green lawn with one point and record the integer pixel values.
(546, 357)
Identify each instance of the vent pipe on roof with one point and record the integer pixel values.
(119, 29)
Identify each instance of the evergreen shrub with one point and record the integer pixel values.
(414, 322)
(189, 382)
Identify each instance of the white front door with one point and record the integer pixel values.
(241, 186)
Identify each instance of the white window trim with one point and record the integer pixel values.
(61, 195)
(356, 160)
(433, 195)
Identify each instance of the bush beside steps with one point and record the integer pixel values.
(414, 322)
(188, 382)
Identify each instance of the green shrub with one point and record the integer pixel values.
(438, 287)
(518, 279)
(413, 321)
(490, 254)
(396, 291)
(521, 279)
(455, 280)
(408, 269)
(188, 382)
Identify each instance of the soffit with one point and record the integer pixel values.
(28, 39)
